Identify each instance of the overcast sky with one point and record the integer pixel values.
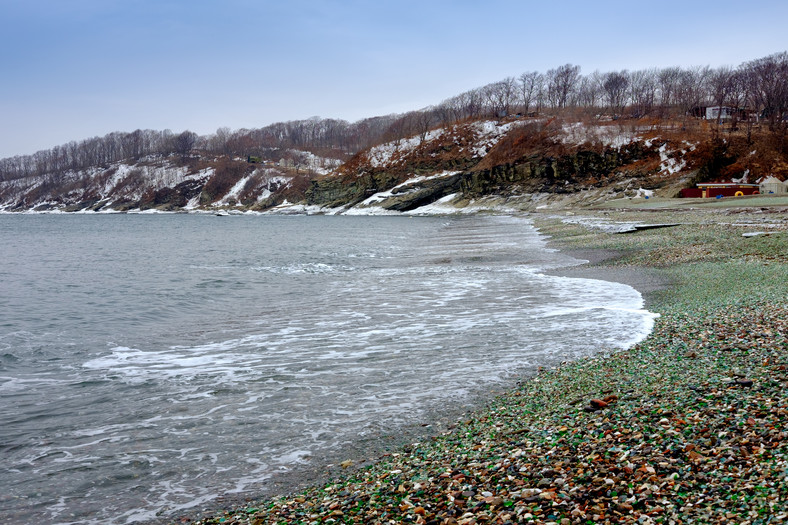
(74, 69)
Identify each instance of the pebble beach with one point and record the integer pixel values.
(688, 426)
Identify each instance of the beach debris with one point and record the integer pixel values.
(743, 382)
(599, 404)
(642, 227)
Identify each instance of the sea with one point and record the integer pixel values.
(152, 365)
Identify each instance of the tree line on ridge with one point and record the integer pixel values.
(759, 86)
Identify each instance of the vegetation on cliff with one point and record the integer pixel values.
(556, 132)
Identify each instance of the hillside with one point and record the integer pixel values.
(530, 162)
(519, 162)
(167, 183)
(522, 162)
(522, 142)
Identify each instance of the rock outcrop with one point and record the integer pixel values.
(525, 158)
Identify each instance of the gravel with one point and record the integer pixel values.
(689, 426)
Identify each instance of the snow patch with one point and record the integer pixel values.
(288, 208)
(234, 192)
(442, 206)
(368, 210)
(395, 152)
(578, 133)
(670, 165)
(488, 134)
(383, 195)
(320, 165)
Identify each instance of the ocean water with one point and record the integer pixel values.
(152, 363)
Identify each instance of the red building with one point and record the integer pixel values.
(720, 189)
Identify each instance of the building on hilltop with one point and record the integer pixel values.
(723, 113)
(719, 112)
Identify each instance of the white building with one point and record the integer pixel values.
(721, 112)
(773, 185)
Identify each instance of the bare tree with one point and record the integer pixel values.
(768, 78)
(720, 86)
(643, 89)
(184, 142)
(529, 87)
(499, 97)
(561, 82)
(508, 95)
(691, 89)
(616, 86)
(396, 132)
(470, 104)
(667, 87)
(424, 121)
(589, 90)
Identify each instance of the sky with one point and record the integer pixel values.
(75, 69)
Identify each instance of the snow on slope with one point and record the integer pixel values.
(578, 133)
(668, 164)
(320, 165)
(271, 178)
(484, 135)
(130, 183)
(488, 133)
(397, 151)
(672, 162)
(148, 177)
(119, 181)
(381, 196)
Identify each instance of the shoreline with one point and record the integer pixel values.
(577, 442)
(645, 280)
(371, 451)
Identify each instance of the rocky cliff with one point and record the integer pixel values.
(523, 160)
(160, 183)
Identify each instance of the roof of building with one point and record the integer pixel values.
(725, 184)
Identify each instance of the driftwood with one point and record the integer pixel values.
(640, 227)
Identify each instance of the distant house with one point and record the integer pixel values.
(718, 112)
(721, 112)
(773, 185)
(721, 189)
